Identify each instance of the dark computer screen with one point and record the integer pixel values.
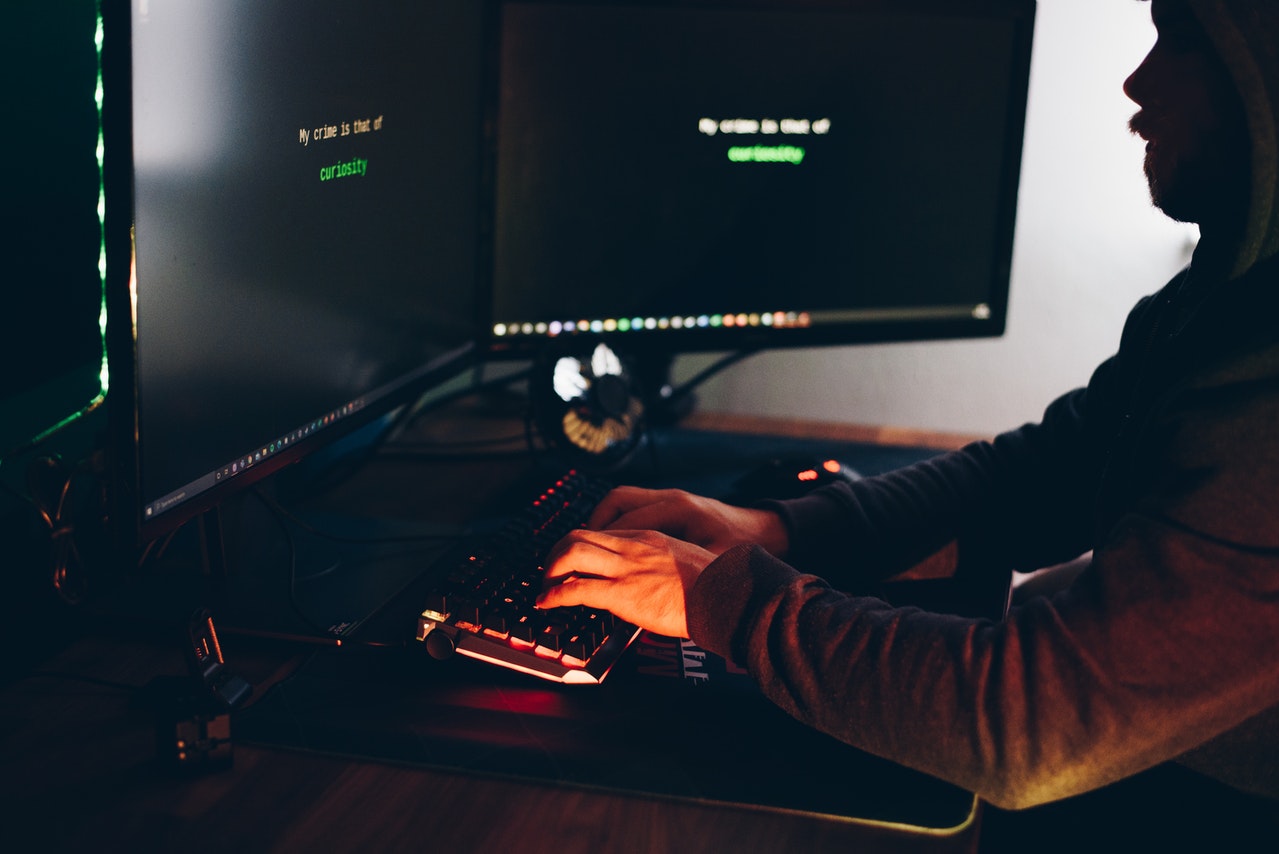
(703, 175)
(300, 177)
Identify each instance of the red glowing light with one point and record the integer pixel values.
(831, 466)
(807, 475)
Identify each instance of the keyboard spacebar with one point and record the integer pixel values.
(496, 651)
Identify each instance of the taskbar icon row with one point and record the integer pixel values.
(251, 460)
(773, 319)
(272, 449)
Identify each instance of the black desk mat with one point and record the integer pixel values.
(671, 720)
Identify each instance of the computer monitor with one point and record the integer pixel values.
(292, 231)
(684, 175)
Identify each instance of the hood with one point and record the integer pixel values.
(1246, 35)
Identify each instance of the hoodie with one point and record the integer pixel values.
(1245, 34)
(1164, 468)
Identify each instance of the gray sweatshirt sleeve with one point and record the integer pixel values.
(1152, 652)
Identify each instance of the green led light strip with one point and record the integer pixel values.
(103, 378)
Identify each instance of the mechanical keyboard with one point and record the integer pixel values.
(482, 606)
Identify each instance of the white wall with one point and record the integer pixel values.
(1088, 245)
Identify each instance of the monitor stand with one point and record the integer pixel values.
(665, 403)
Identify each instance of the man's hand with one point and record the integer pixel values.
(642, 577)
(711, 524)
(645, 549)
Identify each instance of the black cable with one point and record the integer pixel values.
(499, 448)
(296, 607)
(709, 371)
(69, 584)
(477, 386)
(283, 517)
(461, 450)
(439, 451)
(408, 415)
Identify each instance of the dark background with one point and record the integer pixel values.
(50, 346)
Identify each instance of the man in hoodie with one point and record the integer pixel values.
(1164, 468)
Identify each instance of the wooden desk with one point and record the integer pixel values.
(80, 774)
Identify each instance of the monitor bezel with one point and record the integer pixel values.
(671, 341)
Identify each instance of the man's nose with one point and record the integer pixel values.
(1138, 85)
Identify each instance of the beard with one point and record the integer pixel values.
(1171, 193)
(1195, 193)
(1203, 183)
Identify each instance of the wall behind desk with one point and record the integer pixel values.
(1088, 245)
